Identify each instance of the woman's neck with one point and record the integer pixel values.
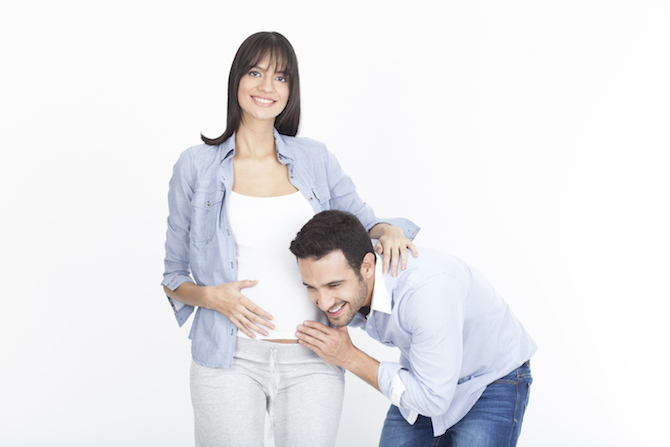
(255, 142)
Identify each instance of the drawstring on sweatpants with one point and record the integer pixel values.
(273, 389)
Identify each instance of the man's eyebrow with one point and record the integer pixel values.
(332, 283)
(336, 282)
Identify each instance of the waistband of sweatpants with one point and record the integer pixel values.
(262, 351)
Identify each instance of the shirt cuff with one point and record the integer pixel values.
(387, 378)
(409, 228)
(181, 311)
(397, 388)
(392, 386)
(175, 280)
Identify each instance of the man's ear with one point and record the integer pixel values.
(368, 266)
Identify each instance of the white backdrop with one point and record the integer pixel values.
(528, 138)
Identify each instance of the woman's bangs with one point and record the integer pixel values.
(279, 57)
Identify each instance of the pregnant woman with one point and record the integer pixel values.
(235, 204)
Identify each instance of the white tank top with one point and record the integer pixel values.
(264, 228)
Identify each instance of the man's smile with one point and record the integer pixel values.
(336, 310)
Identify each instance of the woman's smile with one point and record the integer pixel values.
(263, 101)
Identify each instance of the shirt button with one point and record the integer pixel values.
(208, 205)
(311, 198)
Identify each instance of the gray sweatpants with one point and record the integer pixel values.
(301, 393)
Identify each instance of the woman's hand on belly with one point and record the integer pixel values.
(229, 300)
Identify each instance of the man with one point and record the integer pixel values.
(464, 373)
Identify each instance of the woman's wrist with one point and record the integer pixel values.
(378, 230)
(206, 297)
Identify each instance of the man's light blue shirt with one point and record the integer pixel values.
(200, 246)
(455, 333)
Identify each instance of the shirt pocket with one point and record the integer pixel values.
(206, 212)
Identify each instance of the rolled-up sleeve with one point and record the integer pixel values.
(387, 378)
(344, 197)
(177, 270)
(433, 315)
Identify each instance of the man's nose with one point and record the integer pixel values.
(325, 301)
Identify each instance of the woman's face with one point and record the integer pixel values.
(262, 93)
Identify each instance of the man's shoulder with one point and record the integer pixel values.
(431, 262)
(432, 268)
(428, 279)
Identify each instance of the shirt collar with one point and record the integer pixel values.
(227, 148)
(283, 151)
(381, 299)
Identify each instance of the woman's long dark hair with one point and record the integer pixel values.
(250, 53)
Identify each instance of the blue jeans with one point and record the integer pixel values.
(494, 420)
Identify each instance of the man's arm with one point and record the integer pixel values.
(433, 316)
(335, 347)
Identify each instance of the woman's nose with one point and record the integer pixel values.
(266, 84)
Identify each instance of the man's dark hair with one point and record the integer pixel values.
(333, 230)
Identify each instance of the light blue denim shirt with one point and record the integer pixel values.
(199, 240)
(455, 333)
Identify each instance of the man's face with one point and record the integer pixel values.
(334, 287)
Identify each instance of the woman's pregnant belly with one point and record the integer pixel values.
(280, 292)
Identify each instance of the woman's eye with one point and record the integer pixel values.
(254, 73)
(282, 79)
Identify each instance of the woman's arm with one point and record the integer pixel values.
(229, 301)
(393, 241)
